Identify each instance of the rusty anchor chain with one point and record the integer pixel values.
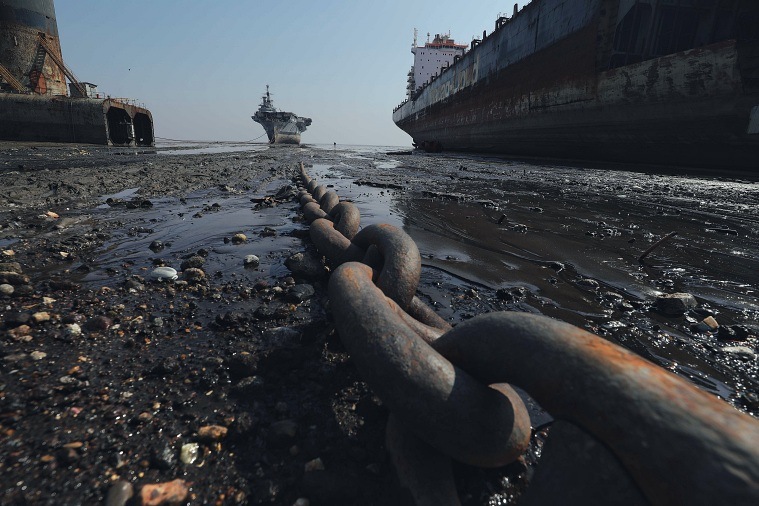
(675, 443)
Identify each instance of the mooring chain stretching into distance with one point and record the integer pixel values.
(638, 433)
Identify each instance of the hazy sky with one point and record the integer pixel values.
(202, 66)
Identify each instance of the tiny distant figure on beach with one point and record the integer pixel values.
(334, 145)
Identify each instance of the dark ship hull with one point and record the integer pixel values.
(555, 81)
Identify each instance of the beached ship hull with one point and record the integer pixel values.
(281, 127)
(534, 88)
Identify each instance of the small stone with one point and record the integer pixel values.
(38, 355)
(300, 293)
(249, 386)
(743, 352)
(156, 246)
(73, 329)
(6, 289)
(282, 337)
(675, 304)
(239, 238)
(98, 324)
(314, 465)
(20, 331)
(40, 317)
(13, 278)
(305, 265)
(11, 267)
(708, 324)
(14, 358)
(189, 453)
(194, 261)
(173, 492)
(193, 274)
(251, 261)
(119, 493)
(242, 364)
(164, 274)
(211, 433)
(302, 501)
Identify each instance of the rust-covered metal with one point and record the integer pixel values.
(645, 435)
(631, 81)
(347, 219)
(680, 444)
(440, 403)
(34, 104)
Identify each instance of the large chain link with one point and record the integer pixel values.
(449, 387)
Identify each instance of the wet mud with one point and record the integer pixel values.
(109, 374)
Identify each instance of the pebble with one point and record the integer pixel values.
(73, 329)
(675, 304)
(251, 385)
(708, 324)
(119, 493)
(305, 265)
(6, 289)
(11, 267)
(16, 357)
(194, 274)
(156, 246)
(164, 274)
(194, 261)
(41, 316)
(98, 323)
(211, 433)
(741, 351)
(242, 364)
(251, 261)
(300, 293)
(13, 278)
(38, 355)
(189, 453)
(239, 238)
(173, 492)
(20, 331)
(302, 501)
(314, 465)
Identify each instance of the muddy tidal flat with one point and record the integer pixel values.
(154, 343)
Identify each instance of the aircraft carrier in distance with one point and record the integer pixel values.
(642, 81)
(281, 127)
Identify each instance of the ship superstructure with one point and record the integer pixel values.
(647, 81)
(431, 59)
(281, 127)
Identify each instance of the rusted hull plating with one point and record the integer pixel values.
(693, 108)
(80, 120)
